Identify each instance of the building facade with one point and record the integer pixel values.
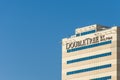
(91, 54)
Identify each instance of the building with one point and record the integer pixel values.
(91, 54)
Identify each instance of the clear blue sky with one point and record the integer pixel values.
(31, 32)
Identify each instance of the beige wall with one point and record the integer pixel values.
(91, 63)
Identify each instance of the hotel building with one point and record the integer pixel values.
(92, 54)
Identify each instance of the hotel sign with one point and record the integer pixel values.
(87, 41)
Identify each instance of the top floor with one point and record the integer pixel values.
(89, 29)
(82, 31)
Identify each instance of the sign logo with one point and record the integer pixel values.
(87, 41)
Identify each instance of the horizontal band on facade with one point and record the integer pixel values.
(89, 69)
(88, 32)
(94, 76)
(102, 78)
(89, 46)
(85, 33)
(89, 57)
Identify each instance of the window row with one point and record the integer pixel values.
(89, 69)
(85, 33)
(88, 32)
(89, 57)
(103, 78)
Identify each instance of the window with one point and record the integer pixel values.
(87, 32)
(89, 58)
(102, 78)
(89, 69)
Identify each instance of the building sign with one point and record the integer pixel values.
(87, 41)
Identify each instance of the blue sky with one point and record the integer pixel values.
(31, 32)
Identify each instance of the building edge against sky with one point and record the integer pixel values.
(91, 54)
